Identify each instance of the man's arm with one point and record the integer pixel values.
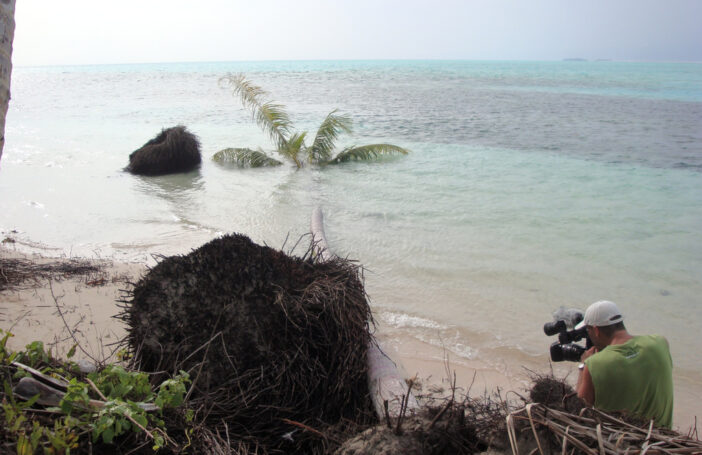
(585, 387)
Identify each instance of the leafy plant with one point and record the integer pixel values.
(62, 437)
(120, 410)
(30, 434)
(117, 418)
(34, 354)
(121, 413)
(171, 392)
(274, 121)
(14, 411)
(76, 397)
(6, 357)
(116, 382)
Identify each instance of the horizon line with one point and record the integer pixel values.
(171, 62)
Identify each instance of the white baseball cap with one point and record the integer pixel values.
(601, 314)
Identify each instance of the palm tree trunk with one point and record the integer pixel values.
(388, 389)
(7, 34)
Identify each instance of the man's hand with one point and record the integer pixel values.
(589, 353)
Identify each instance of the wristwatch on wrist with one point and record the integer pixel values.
(581, 366)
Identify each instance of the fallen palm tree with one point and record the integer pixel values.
(389, 393)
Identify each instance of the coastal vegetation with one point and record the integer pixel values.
(278, 370)
(290, 144)
(48, 406)
(117, 409)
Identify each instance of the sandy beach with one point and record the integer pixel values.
(64, 311)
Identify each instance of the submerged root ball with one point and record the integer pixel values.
(172, 150)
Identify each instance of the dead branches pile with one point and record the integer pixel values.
(553, 392)
(550, 419)
(491, 424)
(593, 432)
(554, 420)
(16, 272)
(449, 425)
(274, 344)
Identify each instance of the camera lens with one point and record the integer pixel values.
(556, 352)
(570, 352)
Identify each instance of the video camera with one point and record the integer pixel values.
(564, 322)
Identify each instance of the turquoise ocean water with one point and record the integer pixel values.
(530, 185)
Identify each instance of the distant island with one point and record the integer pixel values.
(575, 59)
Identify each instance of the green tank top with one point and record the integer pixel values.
(636, 377)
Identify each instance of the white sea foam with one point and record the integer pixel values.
(35, 204)
(401, 320)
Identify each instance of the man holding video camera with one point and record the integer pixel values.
(621, 372)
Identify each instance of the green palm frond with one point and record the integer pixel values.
(249, 93)
(330, 129)
(293, 148)
(367, 152)
(271, 117)
(245, 157)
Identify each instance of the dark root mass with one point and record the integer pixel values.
(274, 344)
(173, 150)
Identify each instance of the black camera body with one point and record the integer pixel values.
(566, 347)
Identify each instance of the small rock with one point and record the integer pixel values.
(86, 366)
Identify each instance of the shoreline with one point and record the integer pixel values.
(45, 312)
(510, 376)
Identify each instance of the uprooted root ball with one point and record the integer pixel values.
(173, 150)
(265, 337)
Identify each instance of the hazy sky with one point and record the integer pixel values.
(129, 31)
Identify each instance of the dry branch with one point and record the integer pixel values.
(595, 432)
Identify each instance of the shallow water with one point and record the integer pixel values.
(530, 185)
